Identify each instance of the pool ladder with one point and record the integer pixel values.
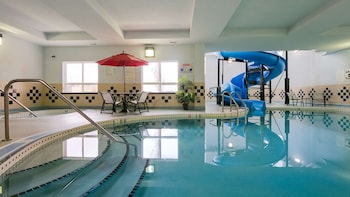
(67, 101)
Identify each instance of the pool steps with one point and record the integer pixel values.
(89, 181)
(123, 180)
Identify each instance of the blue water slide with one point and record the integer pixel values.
(273, 65)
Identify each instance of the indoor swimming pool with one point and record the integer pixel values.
(284, 153)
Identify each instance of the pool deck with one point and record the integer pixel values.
(22, 128)
(25, 127)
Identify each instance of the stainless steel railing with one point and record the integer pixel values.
(67, 101)
(232, 100)
(245, 106)
(221, 95)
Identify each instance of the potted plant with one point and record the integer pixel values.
(185, 93)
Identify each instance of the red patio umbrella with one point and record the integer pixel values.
(122, 59)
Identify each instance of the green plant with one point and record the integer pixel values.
(185, 93)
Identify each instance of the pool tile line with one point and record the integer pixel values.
(133, 191)
(332, 109)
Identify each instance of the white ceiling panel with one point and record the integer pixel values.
(220, 25)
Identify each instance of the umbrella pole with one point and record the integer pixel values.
(125, 108)
(124, 79)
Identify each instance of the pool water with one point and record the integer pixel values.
(280, 154)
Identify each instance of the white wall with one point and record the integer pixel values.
(337, 64)
(185, 54)
(198, 63)
(227, 70)
(20, 59)
(309, 68)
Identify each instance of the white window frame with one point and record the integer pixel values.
(161, 83)
(82, 83)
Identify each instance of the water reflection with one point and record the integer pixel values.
(293, 154)
(279, 139)
(241, 143)
(160, 143)
(82, 146)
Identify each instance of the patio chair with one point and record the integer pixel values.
(108, 99)
(294, 98)
(318, 97)
(139, 100)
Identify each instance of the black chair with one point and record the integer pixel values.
(139, 100)
(294, 98)
(318, 97)
(108, 99)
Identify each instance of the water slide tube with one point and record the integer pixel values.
(274, 65)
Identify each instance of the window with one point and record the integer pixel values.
(80, 77)
(160, 77)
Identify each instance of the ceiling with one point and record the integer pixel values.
(322, 25)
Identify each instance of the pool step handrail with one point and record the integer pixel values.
(223, 94)
(19, 103)
(232, 100)
(220, 100)
(57, 93)
(245, 106)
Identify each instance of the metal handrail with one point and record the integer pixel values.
(70, 103)
(245, 106)
(231, 100)
(19, 103)
(225, 93)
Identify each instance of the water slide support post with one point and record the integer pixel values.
(286, 82)
(218, 90)
(262, 82)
